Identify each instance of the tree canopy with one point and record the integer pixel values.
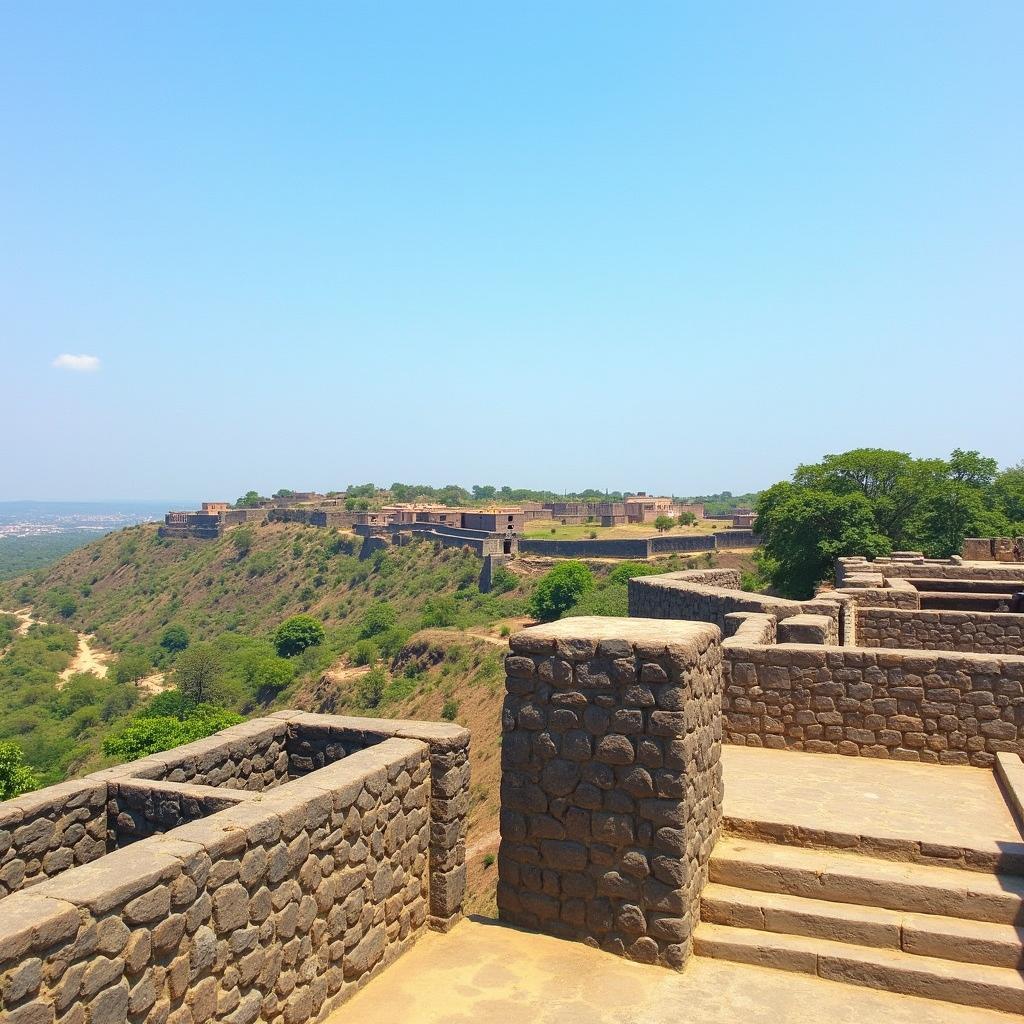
(294, 635)
(870, 501)
(558, 590)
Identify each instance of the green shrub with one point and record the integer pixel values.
(440, 611)
(450, 710)
(559, 589)
(174, 639)
(630, 570)
(260, 564)
(378, 618)
(149, 735)
(371, 687)
(242, 538)
(15, 776)
(502, 581)
(364, 652)
(294, 635)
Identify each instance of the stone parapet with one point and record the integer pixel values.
(611, 793)
(930, 706)
(278, 908)
(273, 894)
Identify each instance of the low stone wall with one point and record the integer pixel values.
(978, 632)
(47, 832)
(319, 740)
(928, 568)
(279, 909)
(138, 809)
(611, 792)
(251, 756)
(685, 595)
(945, 708)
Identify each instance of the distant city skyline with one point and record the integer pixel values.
(670, 246)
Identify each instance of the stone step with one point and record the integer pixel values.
(994, 988)
(841, 877)
(948, 938)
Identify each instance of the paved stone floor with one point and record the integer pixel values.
(860, 796)
(485, 973)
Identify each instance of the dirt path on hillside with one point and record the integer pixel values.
(86, 659)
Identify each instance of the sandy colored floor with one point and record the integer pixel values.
(946, 805)
(485, 973)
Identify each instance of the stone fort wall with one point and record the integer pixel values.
(276, 903)
(912, 704)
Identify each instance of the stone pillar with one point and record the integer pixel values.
(611, 786)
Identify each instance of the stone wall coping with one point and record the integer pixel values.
(32, 920)
(61, 794)
(185, 789)
(664, 633)
(912, 659)
(438, 735)
(1010, 772)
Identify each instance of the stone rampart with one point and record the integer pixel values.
(978, 632)
(638, 547)
(611, 793)
(624, 547)
(270, 895)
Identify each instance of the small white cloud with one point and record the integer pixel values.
(80, 364)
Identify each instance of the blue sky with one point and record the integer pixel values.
(677, 247)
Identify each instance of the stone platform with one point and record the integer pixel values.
(902, 810)
(483, 972)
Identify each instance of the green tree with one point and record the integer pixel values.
(804, 530)
(954, 511)
(197, 673)
(130, 668)
(559, 589)
(378, 618)
(174, 639)
(440, 611)
(248, 500)
(294, 635)
(1007, 494)
(15, 776)
(263, 670)
(371, 687)
(686, 519)
(664, 523)
(242, 538)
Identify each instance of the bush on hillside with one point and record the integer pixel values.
(630, 570)
(559, 589)
(15, 776)
(294, 635)
(378, 618)
(242, 538)
(440, 611)
(174, 639)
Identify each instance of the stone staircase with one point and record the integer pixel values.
(940, 932)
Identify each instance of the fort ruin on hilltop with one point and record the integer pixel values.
(832, 787)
